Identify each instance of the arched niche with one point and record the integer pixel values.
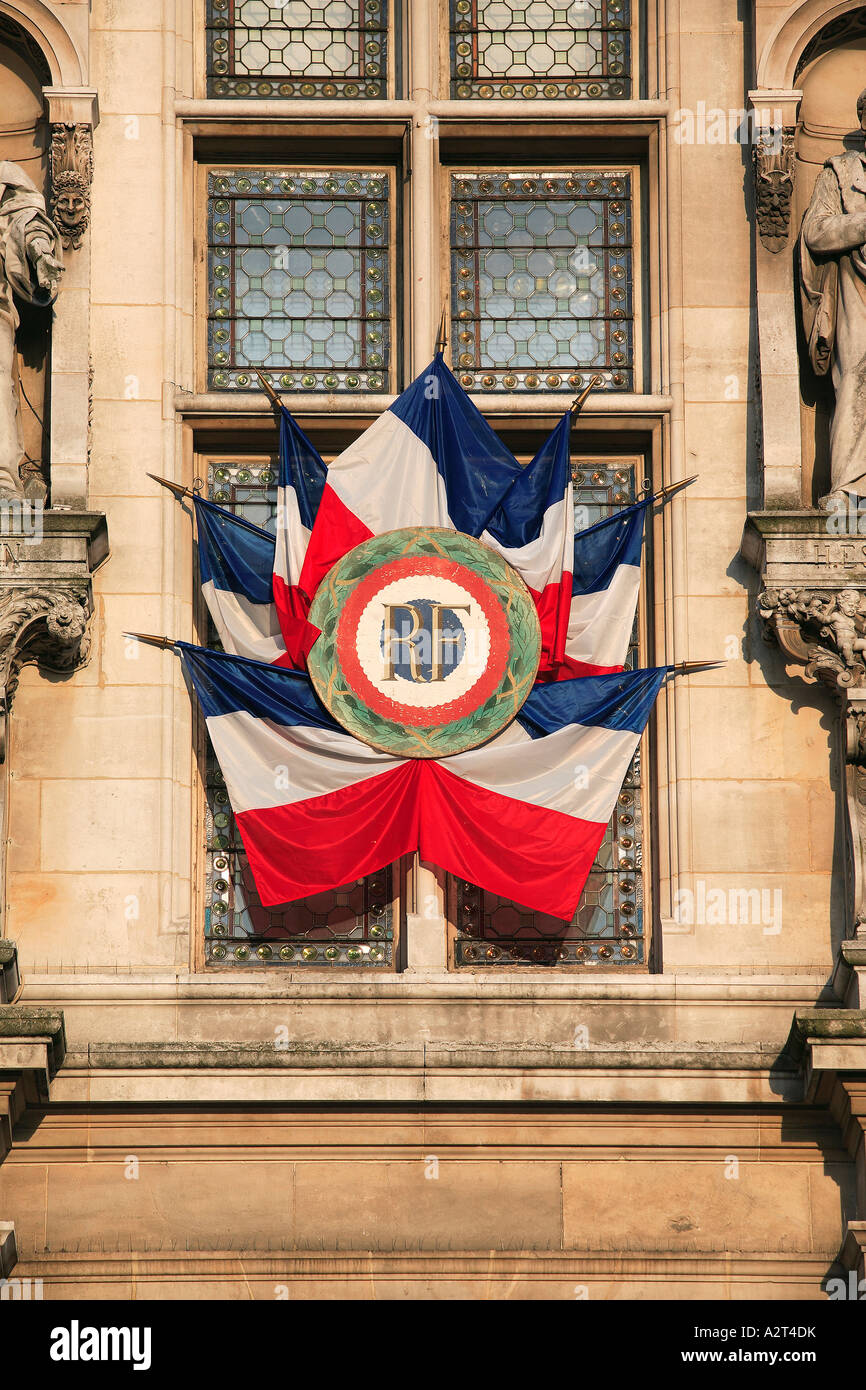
(793, 36)
(25, 140)
(63, 61)
(831, 72)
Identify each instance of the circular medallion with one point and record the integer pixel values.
(430, 642)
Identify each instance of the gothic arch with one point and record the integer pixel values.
(777, 65)
(63, 56)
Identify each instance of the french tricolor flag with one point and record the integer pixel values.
(605, 590)
(533, 529)
(316, 807)
(431, 459)
(235, 563)
(300, 486)
(236, 559)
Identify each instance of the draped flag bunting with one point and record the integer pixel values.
(317, 808)
(605, 590)
(533, 528)
(236, 560)
(431, 459)
(300, 486)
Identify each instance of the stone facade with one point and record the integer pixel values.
(692, 1128)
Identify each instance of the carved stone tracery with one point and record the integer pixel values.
(71, 163)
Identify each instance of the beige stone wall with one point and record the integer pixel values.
(702, 1205)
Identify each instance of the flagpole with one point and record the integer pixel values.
(269, 390)
(684, 668)
(579, 401)
(164, 642)
(177, 488)
(442, 335)
(672, 488)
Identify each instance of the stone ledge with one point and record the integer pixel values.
(437, 1055)
(24, 1026)
(817, 1026)
(270, 985)
(373, 1274)
(72, 544)
(437, 1072)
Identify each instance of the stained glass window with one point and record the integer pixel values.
(298, 279)
(537, 49)
(542, 282)
(297, 48)
(608, 927)
(350, 926)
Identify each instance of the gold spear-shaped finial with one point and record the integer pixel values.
(580, 401)
(269, 390)
(681, 668)
(164, 642)
(672, 488)
(442, 335)
(177, 488)
(154, 641)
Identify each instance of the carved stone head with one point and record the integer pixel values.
(67, 621)
(848, 601)
(70, 205)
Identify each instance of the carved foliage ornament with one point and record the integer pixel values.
(773, 156)
(824, 630)
(71, 178)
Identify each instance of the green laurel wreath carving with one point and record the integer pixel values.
(434, 741)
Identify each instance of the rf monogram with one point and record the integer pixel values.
(414, 642)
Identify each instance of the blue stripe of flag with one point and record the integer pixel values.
(225, 684)
(233, 553)
(301, 468)
(601, 549)
(518, 518)
(475, 465)
(622, 700)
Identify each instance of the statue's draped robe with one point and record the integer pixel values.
(833, 296)
(22, 221)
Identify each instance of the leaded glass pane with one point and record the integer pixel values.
(298, 279)
(350, 926)
(537, 49)
(297, 48)
(608, 927)
(542, 280)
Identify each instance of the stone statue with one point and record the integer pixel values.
(30, 267)
(833, 297)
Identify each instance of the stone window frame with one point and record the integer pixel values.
(421, 135)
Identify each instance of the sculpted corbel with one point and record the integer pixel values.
(45, 625)
(821, 629)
